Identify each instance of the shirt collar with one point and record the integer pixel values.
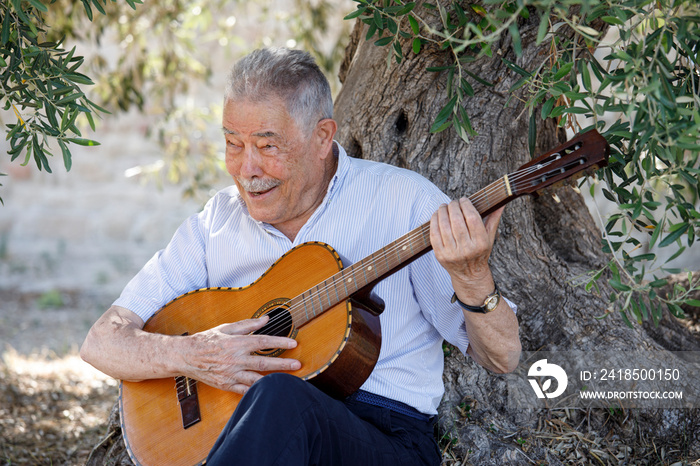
(340, 171)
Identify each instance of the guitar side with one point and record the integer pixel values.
(338, 349)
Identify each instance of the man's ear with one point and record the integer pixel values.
(324, 133)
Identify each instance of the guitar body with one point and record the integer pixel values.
(338, 350)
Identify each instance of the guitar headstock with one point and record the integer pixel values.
(582, 154)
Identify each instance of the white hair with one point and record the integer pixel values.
(291, 75)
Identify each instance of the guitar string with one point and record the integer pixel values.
(515, 180)
(278, 323)
(295, 311)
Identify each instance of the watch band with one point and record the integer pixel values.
(490, 303)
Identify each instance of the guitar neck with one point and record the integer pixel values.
(364, 274)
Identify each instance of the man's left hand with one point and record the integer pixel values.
(462, 241)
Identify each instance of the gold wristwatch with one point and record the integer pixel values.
(490, 303)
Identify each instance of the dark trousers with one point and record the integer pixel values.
(283, 420)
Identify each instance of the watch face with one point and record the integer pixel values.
(491, 303)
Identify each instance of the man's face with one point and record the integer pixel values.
(280, 171)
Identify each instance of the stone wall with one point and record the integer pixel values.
(91, 228)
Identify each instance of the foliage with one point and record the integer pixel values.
(153, 57)
(638, 85)
(40, 82)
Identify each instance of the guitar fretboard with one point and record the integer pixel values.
(378, 265)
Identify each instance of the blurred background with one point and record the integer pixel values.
(71, 240)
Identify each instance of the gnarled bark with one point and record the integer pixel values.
(384, 114)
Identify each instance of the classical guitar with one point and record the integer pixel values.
(312, 297)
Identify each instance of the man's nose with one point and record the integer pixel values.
(251, 165)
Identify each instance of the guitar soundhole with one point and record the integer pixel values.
(279, 325)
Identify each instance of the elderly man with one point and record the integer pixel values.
(293, 184)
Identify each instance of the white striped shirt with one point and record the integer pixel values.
(367, 206)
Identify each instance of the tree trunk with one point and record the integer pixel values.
(384, 114)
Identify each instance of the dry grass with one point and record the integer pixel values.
(52, 410)
(594, 436)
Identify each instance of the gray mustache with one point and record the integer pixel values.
(258, 185)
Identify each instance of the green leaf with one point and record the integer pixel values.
(378, 21)
(5, 35)
(79, 78)
(88, 9)
(676, 232)
(355, 13)
(416, 46)
(406, 9)
(676, 310)
(636, 311)
(619, 286)
(643, 308)
(370, 31)
(384, 41)
(91, 120)
(391, 24)
(656, 311)
(547, 108)
(39, 6)
(438, 129)
(613, 20)
(69, 98)
(478, 79)
(479, 10)
(543, 27)
(657, 231)
(519, 83)
(414, 25)
(443, 115)
(439, 68)
(99, 7)
(676, 254)
(532, 135)
(515, 36)
(516, 68)
(623, 314)
(585, 74)
(466, 87)
(83, 142)
(67, 160)
(563, 71)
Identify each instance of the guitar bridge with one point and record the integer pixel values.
(188, 399)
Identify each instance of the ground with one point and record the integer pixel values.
(53, 407)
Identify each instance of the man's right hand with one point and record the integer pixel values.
(222, 357)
